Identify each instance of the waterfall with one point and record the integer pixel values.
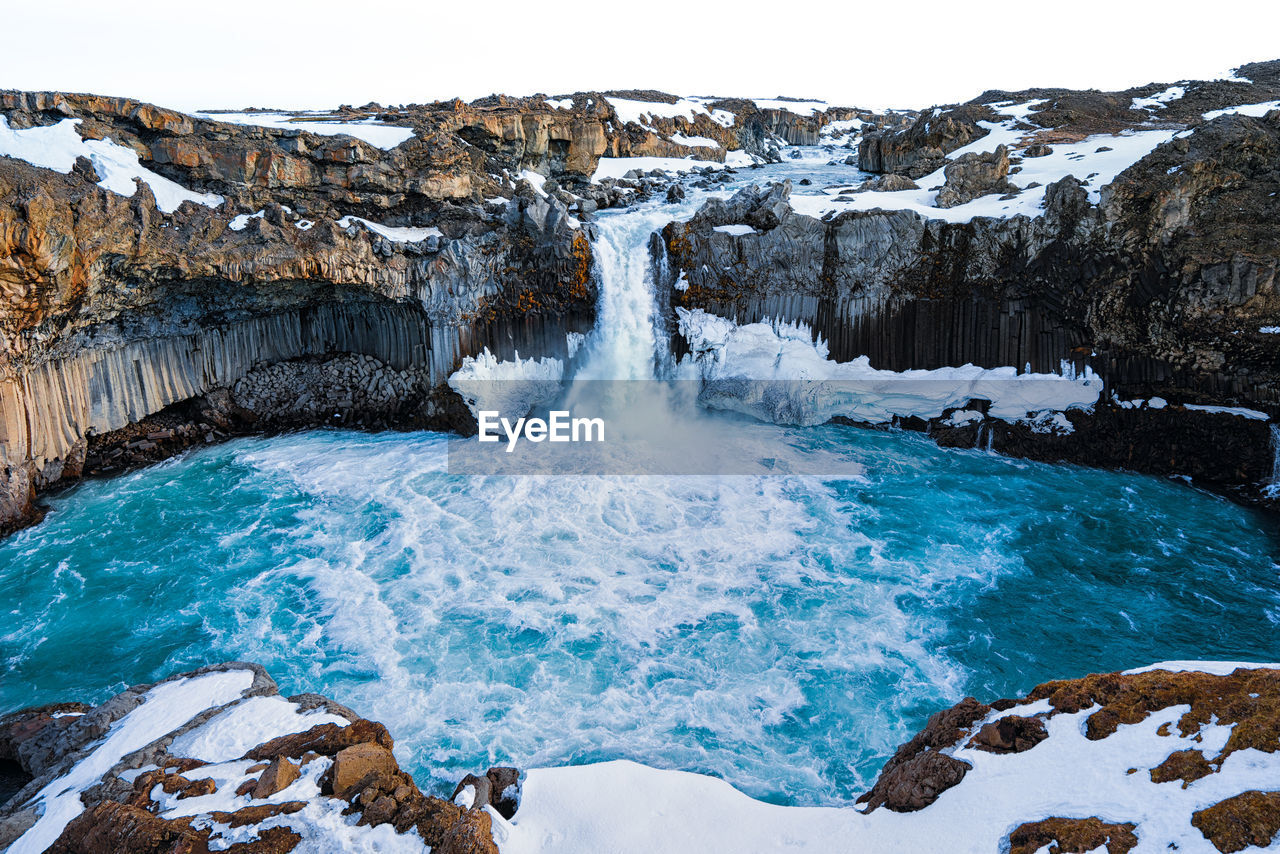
(624, 345)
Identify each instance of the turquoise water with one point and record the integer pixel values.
(784, 633)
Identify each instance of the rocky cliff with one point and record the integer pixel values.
(167, 279)
(1162, 280)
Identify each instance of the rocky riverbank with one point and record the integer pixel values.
(1178, 755)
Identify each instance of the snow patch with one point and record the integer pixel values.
(735, 230)
(370, 130)
(396, 234)
(57, 146)
(240, 222)
(164, 708)
(232, 733)
(616, 167)
(1082, 159)
(1216, 668)
(961, 417)
(1159, 100)
(576, 809)
(1251, 414)
(1254, 110)
(693, 141)
(800, 108)
(642, 112)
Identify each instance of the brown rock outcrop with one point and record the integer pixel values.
(363, 779)
(352, 764)
(276, 778)
(917, 773)
(1072, 836)
(324, 739)
(112, 828)
(1247, 819)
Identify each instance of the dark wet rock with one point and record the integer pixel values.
(975, 174)
(499, 788)
(922, 148)
(917, 782)
(890, 183)
(1010, 734)
(918, 772)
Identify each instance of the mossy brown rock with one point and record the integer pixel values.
(1247, 819)
(1072, 836)
(1240, 706)
(1185, 765)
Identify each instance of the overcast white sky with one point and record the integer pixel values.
(321, 53)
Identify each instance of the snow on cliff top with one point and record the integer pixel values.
(372, 131)
(800, 108)
(642, 112)
(57, 146)
(1097, 160)
(164, 708)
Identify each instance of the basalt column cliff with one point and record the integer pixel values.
(168, 279)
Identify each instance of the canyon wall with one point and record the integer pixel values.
(1164, 282)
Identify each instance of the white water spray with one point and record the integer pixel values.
(1272, 489)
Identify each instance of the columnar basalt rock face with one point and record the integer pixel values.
(1166, 287)
(112, 311)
